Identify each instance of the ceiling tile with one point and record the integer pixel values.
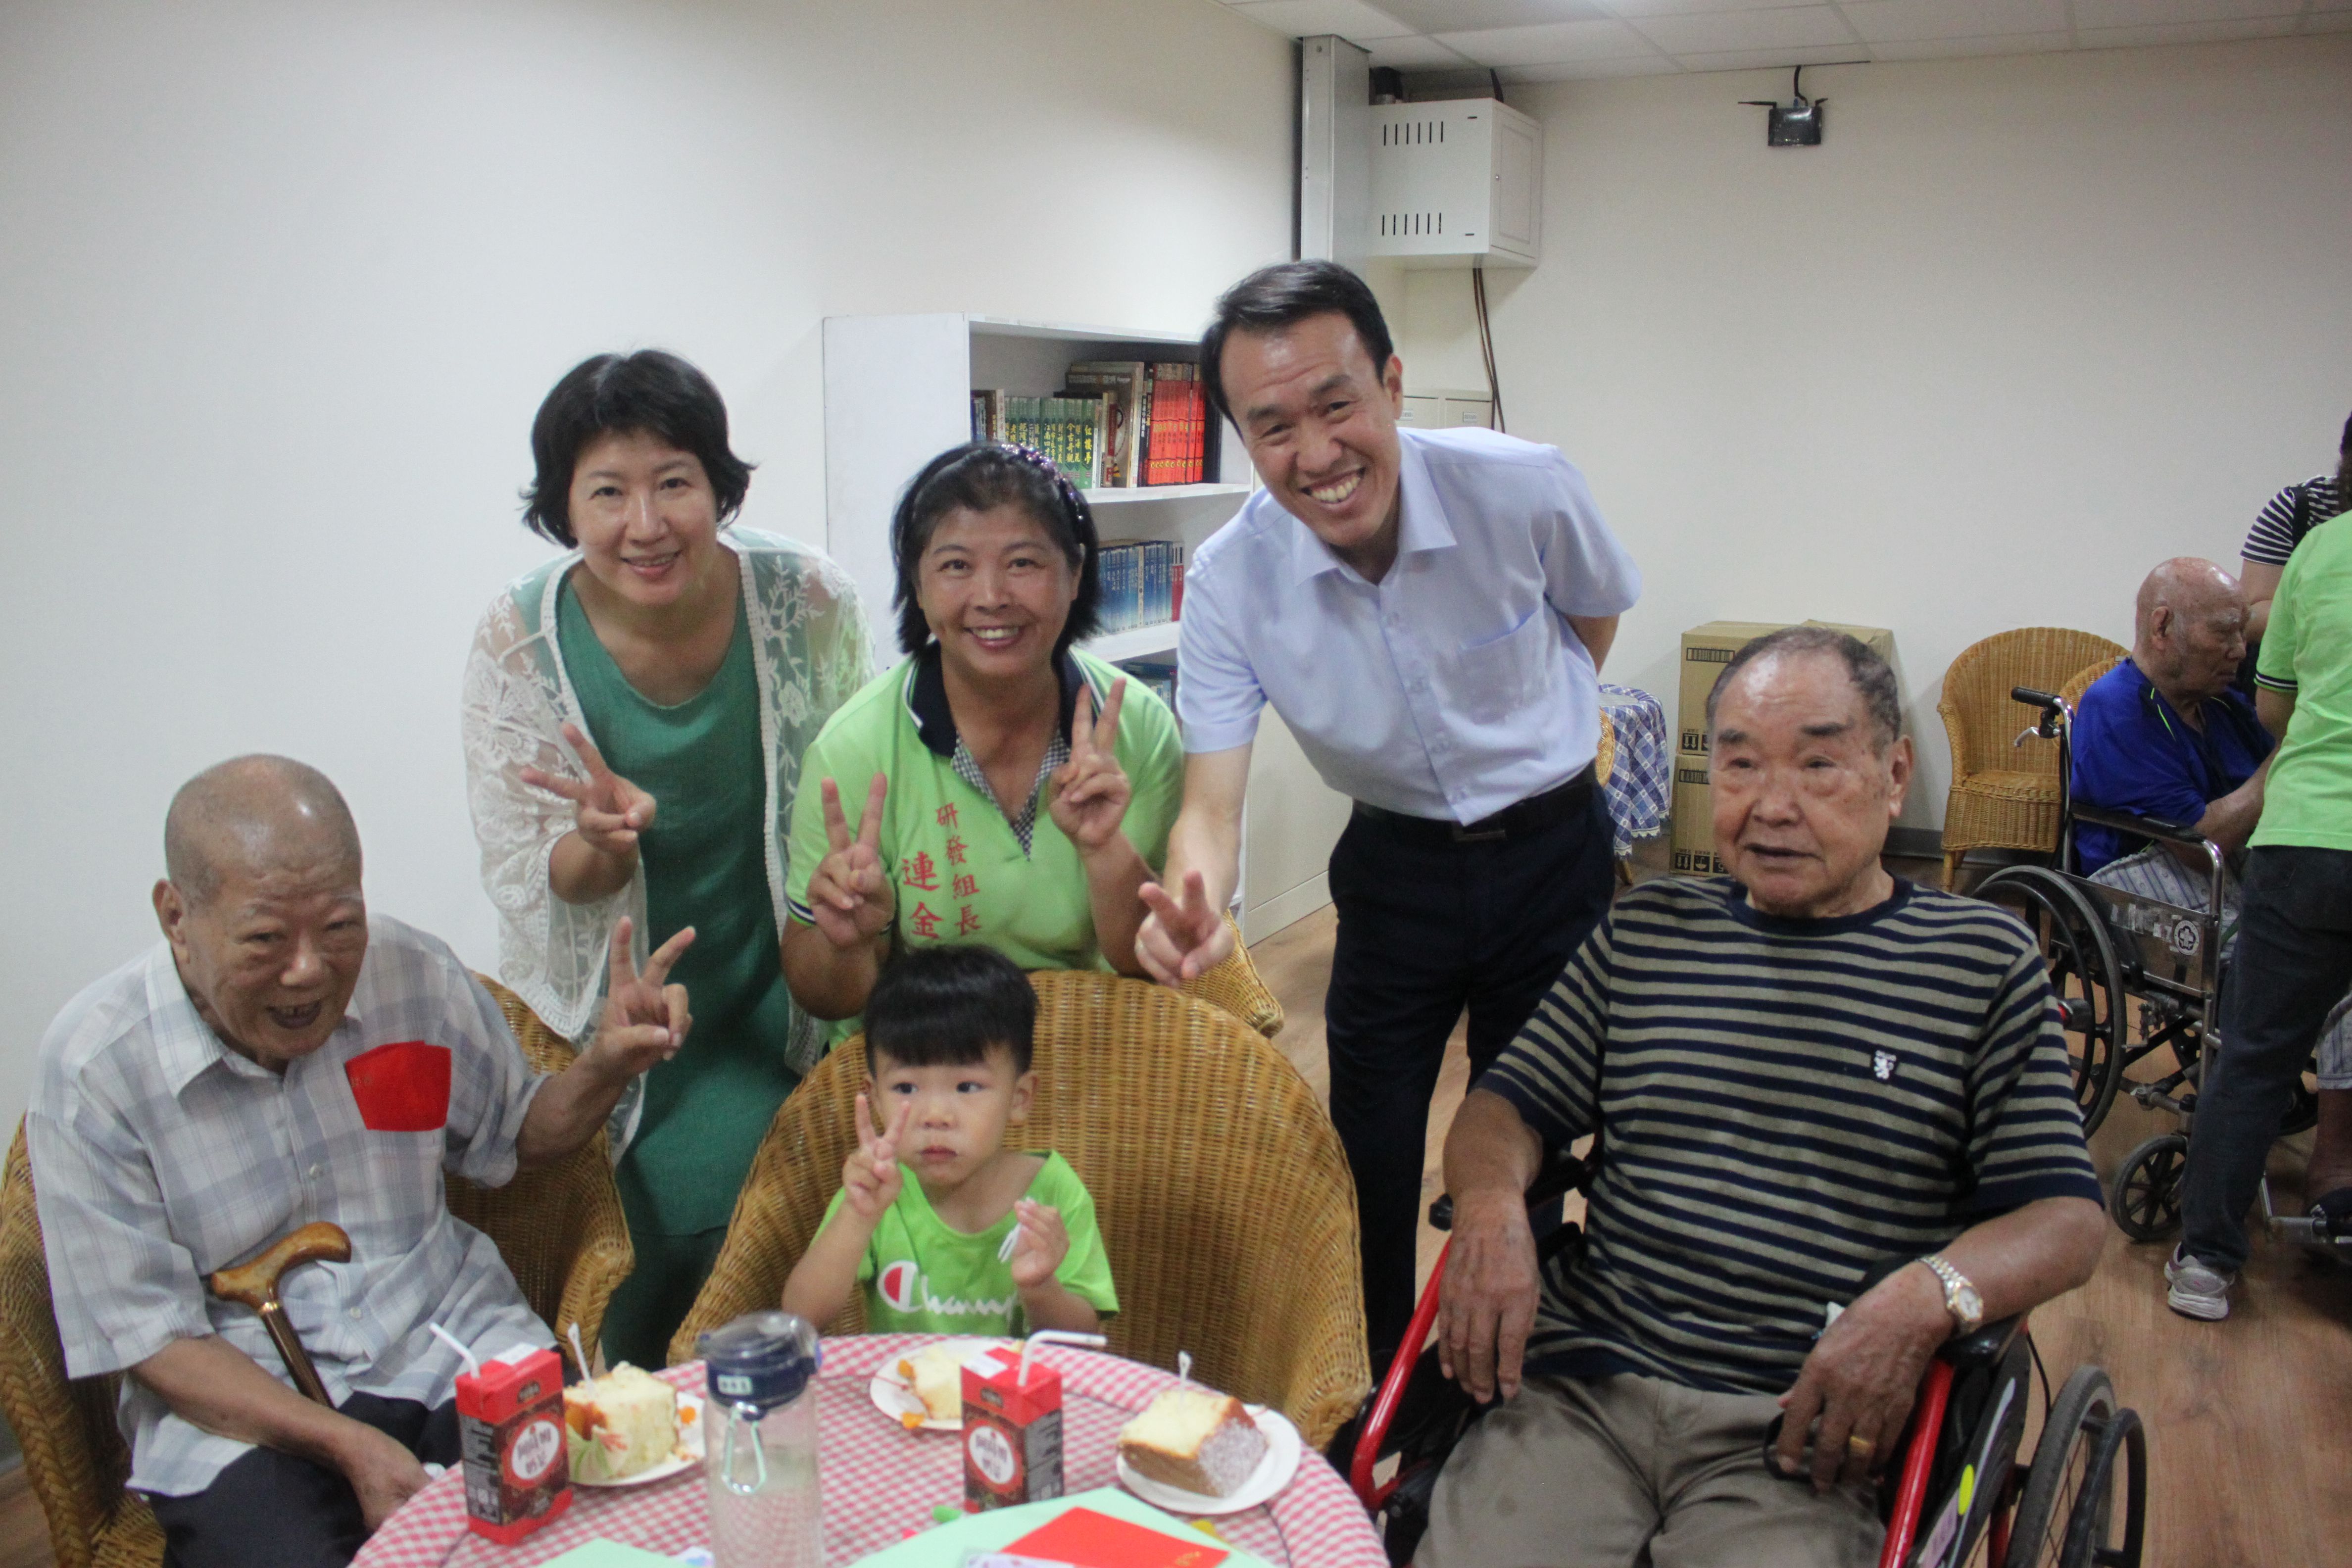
(1695, 7)
(1589, 70)
(2089, 14)
(1548, 46)
(1895, 21)
(1470, 16)
(1788, 27)
(1988, 43)
(1755, 59)
(1415, 54)
(1351, 20)
(2184, 33)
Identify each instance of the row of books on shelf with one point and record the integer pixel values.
(1117, 424)
(1143, 584)
(1159, 675)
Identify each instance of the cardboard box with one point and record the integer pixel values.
(1694, 821)
(1707, 650)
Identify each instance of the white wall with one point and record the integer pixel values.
(2017, 329)
(284, 283)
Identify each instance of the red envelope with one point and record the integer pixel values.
(402, 1088)
(1089, 1539)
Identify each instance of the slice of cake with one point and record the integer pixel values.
(1194, 1439)
(619, 1424)
(936, 1375)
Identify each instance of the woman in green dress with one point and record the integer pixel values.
(635, 714)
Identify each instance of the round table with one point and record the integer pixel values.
(882, 1481)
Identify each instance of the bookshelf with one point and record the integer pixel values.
(898, 393)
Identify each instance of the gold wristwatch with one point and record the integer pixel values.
(1960, 1298)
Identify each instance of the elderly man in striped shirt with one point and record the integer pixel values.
(279, 1057)
(1800, 1073)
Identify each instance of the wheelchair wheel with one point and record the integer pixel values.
(2109, 1526)
(2146, 1202)
(2084, 973)
(2062, 1463)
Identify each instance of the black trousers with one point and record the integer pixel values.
(1427, 928)
(275, 1508)
(2293, 963)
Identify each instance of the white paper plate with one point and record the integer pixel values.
(689, 1438)
(1283, 1446)
(895, 1396)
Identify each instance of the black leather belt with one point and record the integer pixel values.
(1554, 806)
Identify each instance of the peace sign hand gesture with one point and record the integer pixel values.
(1088, 793)
(646, 1018)
(608, 811)
(870, 1178)
(849, 894)
(1181, 940)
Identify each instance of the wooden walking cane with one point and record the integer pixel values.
(256, 1285)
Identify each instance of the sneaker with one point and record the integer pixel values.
(2197, 1291)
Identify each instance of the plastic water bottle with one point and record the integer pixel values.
(760, 1442)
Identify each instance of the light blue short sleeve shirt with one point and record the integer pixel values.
(1452, 688)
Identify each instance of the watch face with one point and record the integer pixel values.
(1970, 1304)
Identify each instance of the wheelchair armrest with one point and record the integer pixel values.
(2180, 833)
(1986, 1346)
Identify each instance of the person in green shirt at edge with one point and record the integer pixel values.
(1017, 793)
(946, 1229)
(2293, 957)
(634, 715)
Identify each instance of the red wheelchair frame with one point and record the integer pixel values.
(2064, 1498)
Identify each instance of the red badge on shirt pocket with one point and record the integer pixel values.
(402, 1088)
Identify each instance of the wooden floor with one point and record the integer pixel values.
(2249, 1421)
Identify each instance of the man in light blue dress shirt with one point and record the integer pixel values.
(1428, 612)
(281, 1057)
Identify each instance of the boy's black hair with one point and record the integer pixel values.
(945, 1006)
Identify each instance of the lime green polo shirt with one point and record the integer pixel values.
(923, 1275)
(962, 874)
(2307, 651)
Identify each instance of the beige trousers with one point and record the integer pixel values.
(1633, 1472)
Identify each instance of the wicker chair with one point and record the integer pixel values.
(559, 1228)
(1235, 986)
(1224, 1198)
(2001, 797)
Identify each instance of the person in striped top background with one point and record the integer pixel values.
(1804, 1074)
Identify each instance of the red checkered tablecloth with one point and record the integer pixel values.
(882, 1481)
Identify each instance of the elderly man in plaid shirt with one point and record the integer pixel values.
(281, 1057)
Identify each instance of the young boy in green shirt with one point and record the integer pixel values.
(983, 1240)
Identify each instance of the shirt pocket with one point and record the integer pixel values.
(402, 1088)
(1495, 678)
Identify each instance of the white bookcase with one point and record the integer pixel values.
(898, 392)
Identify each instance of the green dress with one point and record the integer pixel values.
(707, 1108)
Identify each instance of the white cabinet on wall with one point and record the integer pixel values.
(898, 392)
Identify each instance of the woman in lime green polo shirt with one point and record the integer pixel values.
(997, 785)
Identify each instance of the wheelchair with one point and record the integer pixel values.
(1961, 1496)
(2134, 977)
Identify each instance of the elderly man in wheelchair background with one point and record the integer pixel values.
(2165, 735)
(1797, 1078)
(282, 1056)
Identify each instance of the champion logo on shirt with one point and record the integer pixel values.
(903, 1286)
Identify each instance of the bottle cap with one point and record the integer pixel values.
(762, 1360)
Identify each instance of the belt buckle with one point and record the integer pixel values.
(1466, 834)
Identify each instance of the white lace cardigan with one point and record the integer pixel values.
(810, 651)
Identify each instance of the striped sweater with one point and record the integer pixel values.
(1784, 1104)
